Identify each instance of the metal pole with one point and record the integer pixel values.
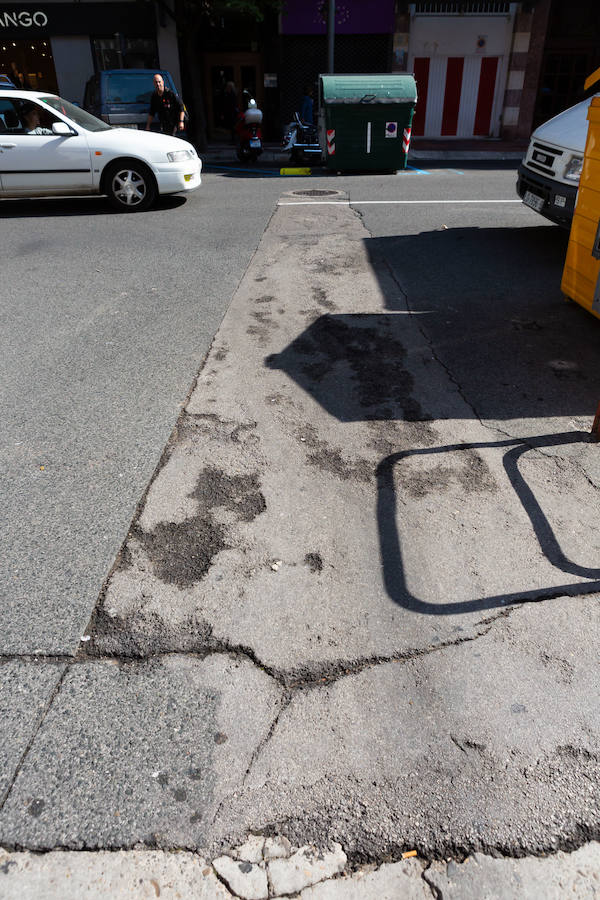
(330, 35)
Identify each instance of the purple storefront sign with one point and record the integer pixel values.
(351, 17)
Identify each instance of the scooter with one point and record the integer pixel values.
(302, 140)
(248, 134)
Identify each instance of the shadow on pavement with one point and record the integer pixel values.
(487, 306)
(390, 545)
(96, 205)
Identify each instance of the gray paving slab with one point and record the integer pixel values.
(555, 877)
(309, 497)
(25, 691)
(140, 753)
(492, 744)
(390, 881)
(134, 875)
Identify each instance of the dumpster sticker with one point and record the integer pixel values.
(391, 129)
(406, 140)
(330, 141)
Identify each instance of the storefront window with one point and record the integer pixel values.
(119, 52)
(28, 64)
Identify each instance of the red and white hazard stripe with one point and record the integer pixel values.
(330, 141)
(406, 140)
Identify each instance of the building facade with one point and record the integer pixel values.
(58, 46)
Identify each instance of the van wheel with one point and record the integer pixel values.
(130, 186)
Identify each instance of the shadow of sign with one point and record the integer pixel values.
(484, 306)
(390, 545)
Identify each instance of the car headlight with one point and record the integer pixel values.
(179, 155)
(573, 169)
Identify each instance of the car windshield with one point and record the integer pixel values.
(77, 115)
(134, 87)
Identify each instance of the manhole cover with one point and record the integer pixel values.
(314, 193)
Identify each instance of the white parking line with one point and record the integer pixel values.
(373, 202)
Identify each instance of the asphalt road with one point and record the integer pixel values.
(316, 624)
(106, 321)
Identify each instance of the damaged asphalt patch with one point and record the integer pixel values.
(313, 523)
(182, 553)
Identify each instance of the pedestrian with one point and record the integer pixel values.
(306, 105)
(167, 106)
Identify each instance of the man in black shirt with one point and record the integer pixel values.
(167, 106)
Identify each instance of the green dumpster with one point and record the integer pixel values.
(365, 120)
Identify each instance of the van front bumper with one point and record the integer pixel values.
(559, 199)
(182, 176)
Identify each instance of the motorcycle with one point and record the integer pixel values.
(248, 134)
(302, 140)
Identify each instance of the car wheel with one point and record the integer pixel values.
(130, 186)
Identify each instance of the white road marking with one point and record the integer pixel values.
(373, 202)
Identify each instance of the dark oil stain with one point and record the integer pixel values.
(197, 817)
(195, 774)
(518, 708)
(262, 330)
(182, 552)
(35, 808)
(239, 493)
(6, 866)
(261, 278)
(180, 795)
(571, 752)
(163, 779)
(220, 737)
(320, 296)
(473, 476)
(329, 460)
(268, 298)
(314, 562)
(245, 867)
(221, 354)
(354, 366)
(473, 745)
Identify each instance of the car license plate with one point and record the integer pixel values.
(559, 200)
(254, 142)
(533, 201)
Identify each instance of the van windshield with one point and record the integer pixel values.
(76, 114)
(131, 87)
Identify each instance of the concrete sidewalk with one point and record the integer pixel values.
(421, 150)
(268, 869)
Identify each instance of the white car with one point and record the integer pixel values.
(49, 148)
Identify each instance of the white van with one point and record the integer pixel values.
(549, 174)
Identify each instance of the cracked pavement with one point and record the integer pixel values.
(358, 600)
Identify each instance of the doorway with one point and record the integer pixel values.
(222, 70)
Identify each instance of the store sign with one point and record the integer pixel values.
(28, 20)
(23, 19)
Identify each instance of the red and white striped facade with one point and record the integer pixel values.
(460, 64)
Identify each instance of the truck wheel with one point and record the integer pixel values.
(130, 186)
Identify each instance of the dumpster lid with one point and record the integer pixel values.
(369, 88)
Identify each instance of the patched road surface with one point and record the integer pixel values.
(359, 600)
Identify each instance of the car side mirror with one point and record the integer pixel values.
(63, 129)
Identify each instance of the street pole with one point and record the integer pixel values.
(330, 35)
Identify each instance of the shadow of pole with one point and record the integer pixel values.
(389, 538)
